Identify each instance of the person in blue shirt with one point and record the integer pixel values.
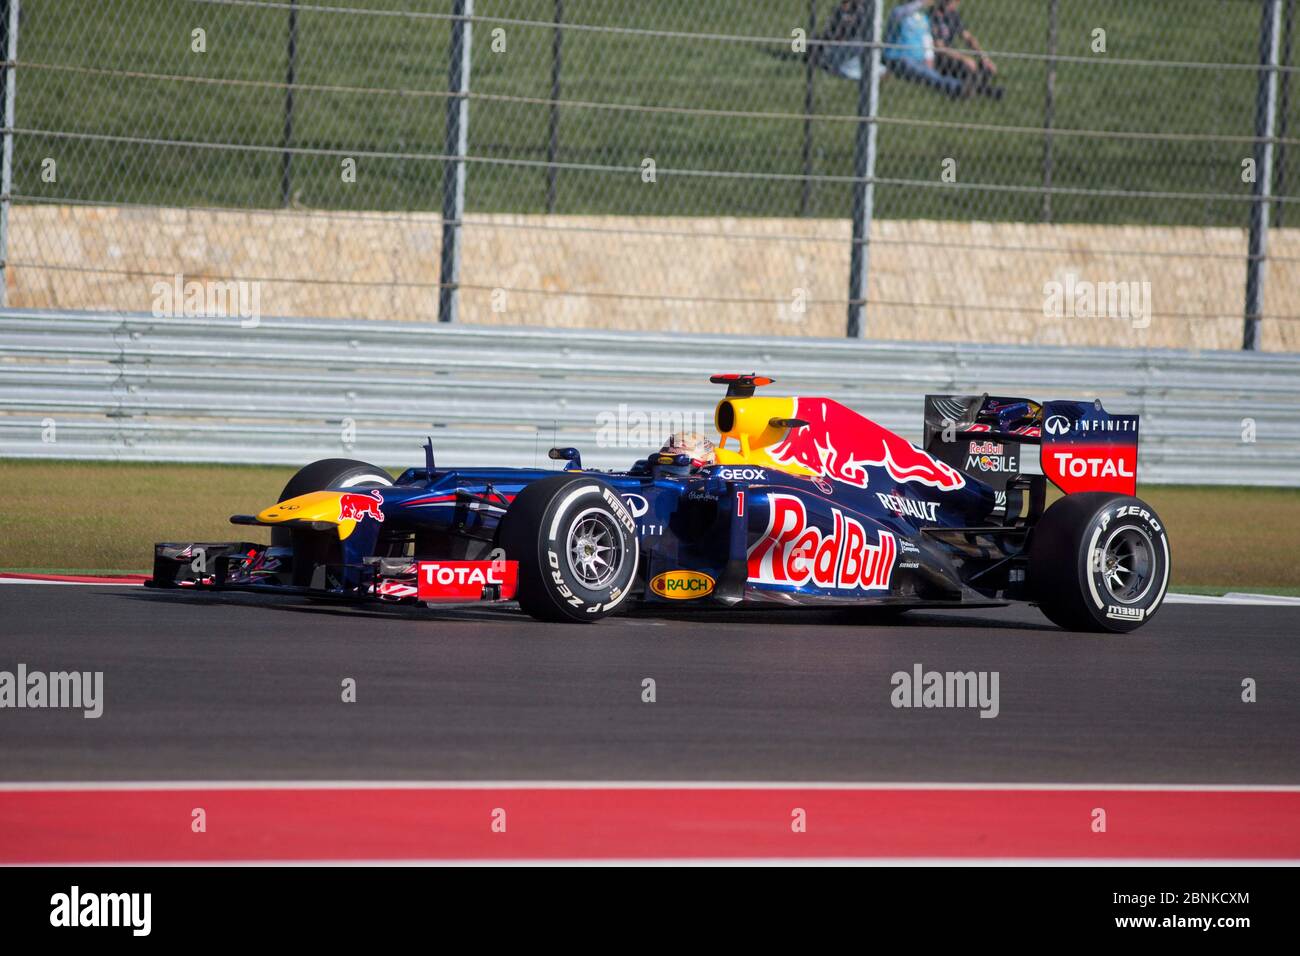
(909, 49)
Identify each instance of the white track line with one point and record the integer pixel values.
(1235, 597)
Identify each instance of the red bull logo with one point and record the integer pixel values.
(792, 552)
(355, 507)
(839, 443)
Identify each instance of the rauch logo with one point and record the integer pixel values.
(682, 585)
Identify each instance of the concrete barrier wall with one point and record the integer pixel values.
(930, 281)
(120, 387)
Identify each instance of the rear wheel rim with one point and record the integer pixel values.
(594, 549)
(1126, 563)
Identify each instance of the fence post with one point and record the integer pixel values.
(1049, 106)
(553, 124)
(286, 160)
(864, 175)
(810, 67)
(457, 146)
(1283, 114)
(1265, 104)
(9, 21)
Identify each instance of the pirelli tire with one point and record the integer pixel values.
(1099, 562)
(576, 545)
(328, 473)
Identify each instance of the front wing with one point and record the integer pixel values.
(245, 566)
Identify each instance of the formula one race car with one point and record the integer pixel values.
(807, 503)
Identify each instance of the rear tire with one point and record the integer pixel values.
(328, 473)
(1099, 562)
(576, 545)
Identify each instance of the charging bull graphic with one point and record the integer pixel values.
(355, 507)
(841, 444)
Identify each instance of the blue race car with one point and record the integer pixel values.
(803, 502)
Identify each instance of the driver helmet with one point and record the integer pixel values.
(702, 450)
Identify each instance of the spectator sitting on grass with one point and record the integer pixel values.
(977, 70)
(909, 49)
(848, 22)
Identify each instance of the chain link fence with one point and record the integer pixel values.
(1095, 172)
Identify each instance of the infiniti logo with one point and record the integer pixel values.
(1057, 425)
(636, 504)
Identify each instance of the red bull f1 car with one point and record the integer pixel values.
(807, 504)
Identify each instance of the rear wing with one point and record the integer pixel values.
(1082, 446)
(1085, 448)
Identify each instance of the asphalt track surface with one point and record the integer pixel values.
(241, 687)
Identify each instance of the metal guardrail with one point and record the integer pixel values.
(80, 385)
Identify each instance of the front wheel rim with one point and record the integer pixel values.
(594, 549)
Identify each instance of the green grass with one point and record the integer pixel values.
(1240, 539)
(79, 515)
(87, 571)
(103, 516)
(357, 50)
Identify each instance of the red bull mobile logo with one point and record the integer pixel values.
(839, 443)
(355, 507)
(792, 552)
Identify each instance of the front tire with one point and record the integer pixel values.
(328, 473)
(1099, 562)
(576, 545)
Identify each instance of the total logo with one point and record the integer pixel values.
(742, 474)
(791, 552)
(1093, 467)
(466, 580)
(467, 572)
(1079, 466)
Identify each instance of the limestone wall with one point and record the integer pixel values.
(929, 280)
